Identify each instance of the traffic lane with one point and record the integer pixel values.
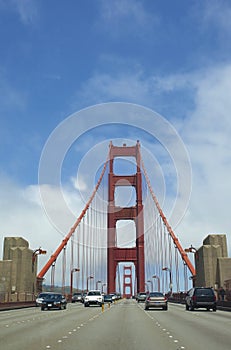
(200, 328)
(36, 329)
(122, 327)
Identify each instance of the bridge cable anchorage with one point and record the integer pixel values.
(73, 228)
(170, 231)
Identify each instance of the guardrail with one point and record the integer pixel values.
(16, 305)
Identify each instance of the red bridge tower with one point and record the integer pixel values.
(134, 254)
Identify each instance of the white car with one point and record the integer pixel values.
(93, 297)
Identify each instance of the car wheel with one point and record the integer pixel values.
(214, 309)
(191, 308)
(165, 308)
(146, 308)
(187, 307)
(42, 308)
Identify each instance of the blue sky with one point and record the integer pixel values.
(57, 58)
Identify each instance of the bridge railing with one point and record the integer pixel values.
(6, 297)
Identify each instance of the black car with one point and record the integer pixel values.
(54, 301)
(201, 297)
(108, 298)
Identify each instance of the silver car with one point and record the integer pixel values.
(156, 300)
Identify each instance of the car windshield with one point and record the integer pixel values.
(42, 295)
(94, 293)
(54, 296)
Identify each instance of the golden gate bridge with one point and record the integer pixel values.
(143, 251)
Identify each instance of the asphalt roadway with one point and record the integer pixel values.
(123, 326)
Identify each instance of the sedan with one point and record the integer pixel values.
(54, 301)
(141, 297)
(76, 297)
(156, 300)
(40, 298)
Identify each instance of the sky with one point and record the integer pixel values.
(75, 75)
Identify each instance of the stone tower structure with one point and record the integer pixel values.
(18, 270)
(213, 266)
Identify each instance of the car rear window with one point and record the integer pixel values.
(155, 294)
(204, 291)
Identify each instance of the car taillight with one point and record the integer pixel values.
(215, 298)
(194, 298)
(148, 298)
(165, 299)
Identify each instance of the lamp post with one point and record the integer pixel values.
(103, 285)
(192, 249)
(96, 285)
(38, 286)
(71, 284)
(158, 281)
(149, 281)
(170, 277)
(89, 278)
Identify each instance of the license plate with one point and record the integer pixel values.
(49, 304)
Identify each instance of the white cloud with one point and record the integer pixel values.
(217, 12)
(207, 135)
(206, 132)
(127, 17)
(205, 129)
(22, 215)
(27, 10)
(120, 9)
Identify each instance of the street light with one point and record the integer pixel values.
(151, 284)
(170, 277)
(146, 286)
(103, 285)
(89, 278)
(71, 286)
(96, 285)
(158, 281)
(36, 252)
(192, 249)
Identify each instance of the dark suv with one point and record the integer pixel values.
(201, 297)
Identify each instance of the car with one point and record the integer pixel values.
(109, 298)
(93, 297)
(141, 297)
(76, 297)
(40, 298)
(201, 297)
(156, 300)
(54, 301)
